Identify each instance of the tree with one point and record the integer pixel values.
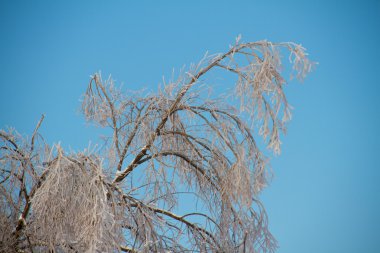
(181, 143)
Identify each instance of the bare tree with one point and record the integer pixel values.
(179, 144)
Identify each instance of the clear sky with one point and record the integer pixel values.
(325, 196)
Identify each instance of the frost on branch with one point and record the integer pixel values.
(73, 210)
(179, 143)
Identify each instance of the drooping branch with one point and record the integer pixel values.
(260, 77)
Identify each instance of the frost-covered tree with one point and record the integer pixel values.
(168, 150)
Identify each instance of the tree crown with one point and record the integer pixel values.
(177, 141)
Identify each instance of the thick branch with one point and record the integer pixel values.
(164, 119)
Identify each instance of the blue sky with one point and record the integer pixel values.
(325, 196)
